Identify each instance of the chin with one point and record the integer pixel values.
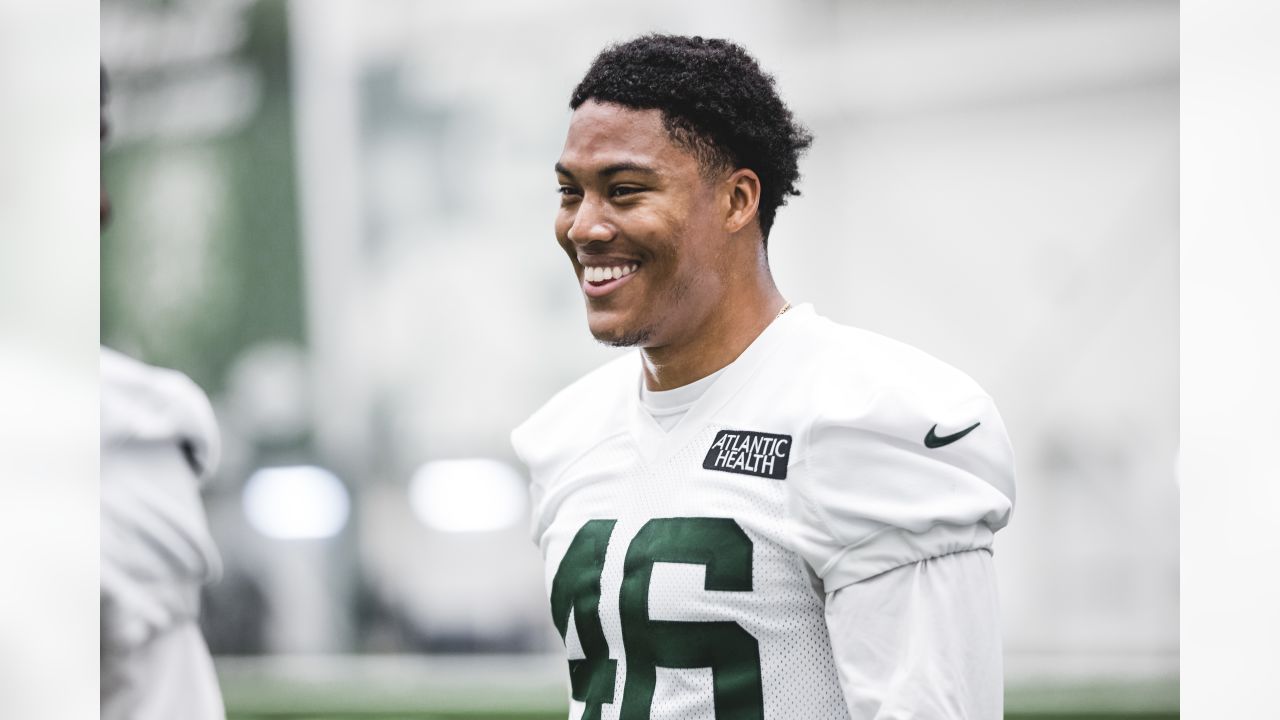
(618, 334)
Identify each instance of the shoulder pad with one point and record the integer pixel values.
(141, 403)
(577, 418)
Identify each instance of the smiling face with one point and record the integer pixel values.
(643, 226)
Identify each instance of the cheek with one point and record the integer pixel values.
(693, 248)
(563, 222)
(669, 234)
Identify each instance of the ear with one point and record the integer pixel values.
(742, 188)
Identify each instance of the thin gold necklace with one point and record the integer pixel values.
(784, 309)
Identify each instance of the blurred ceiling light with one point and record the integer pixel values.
(296, 503)
(474, 495)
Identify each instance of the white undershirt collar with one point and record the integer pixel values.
(668, 406)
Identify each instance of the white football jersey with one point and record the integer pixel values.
(159, 441)
(687, 569)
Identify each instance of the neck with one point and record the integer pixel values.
(725, 333)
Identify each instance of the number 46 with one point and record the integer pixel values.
(730, 651)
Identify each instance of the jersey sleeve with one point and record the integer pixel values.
(566, 427)
(539, 446)
(156, 548)
(159, 443)
(921, 641)
(905, 473)
(141, 404)
(172, 676)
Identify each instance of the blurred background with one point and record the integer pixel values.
(336, 217)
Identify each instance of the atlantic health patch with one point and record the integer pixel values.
(750, 453)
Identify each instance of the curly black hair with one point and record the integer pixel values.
(715, 101)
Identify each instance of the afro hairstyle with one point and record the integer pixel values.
(715, 101)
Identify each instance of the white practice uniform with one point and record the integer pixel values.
(159, 441)
(807, 538)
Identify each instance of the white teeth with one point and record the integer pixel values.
(601, 274)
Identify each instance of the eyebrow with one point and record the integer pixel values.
(613, 169)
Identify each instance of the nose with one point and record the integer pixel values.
(591, 223)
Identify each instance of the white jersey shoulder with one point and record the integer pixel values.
(159, 439)
(145, 404)
(580, 416)
(857, 360)
(904, 457)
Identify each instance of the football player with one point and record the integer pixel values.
(759, 513)
(159, 443)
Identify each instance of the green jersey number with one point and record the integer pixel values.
(731, 653)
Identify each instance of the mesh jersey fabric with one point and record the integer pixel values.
(859, 498)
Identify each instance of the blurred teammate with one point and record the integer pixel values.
(159, 441)
(761, 513)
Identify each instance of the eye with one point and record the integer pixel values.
(624, 190)
(568, 192)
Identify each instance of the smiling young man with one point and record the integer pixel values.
(759, 513)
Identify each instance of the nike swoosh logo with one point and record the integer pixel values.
(933, 441)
